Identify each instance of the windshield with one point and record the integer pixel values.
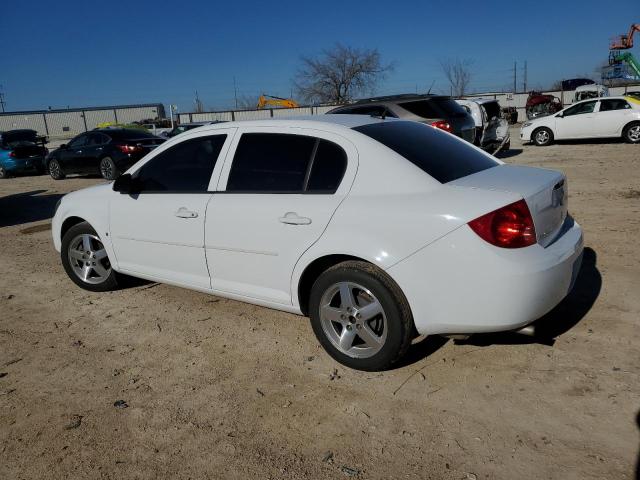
(441, 155)
(17, 136)
(442, 107)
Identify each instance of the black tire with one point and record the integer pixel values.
(631, 133)
(3, 172)
(395, 317)
(106, 282)
(542, 137)
(55, 170)
(108, 169)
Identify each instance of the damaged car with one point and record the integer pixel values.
(492, 130)
(22, 151)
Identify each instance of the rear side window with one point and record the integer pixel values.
(274, 162)
(613, 104)
(131, 134)
(439, 154)
(434, 108)
(185, 167)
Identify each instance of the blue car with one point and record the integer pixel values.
(22, 151)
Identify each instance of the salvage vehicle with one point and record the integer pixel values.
(586, 92)
(597, 118)
(492, 131)
(22, 151)
(541, 105)
(436, 110)
(106, 152)
(378, 229)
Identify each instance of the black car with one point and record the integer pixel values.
(436, 110)
(107, 151)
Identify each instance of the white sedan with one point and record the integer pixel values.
(608, 117)
(378, 230)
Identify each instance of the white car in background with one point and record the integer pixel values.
(378, 229)
(596, 118)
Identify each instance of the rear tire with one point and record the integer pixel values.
(3, 172)
(542, 137)
(55, 170)
(108, 169)
(85, 259)
(631, 133)
(360, 316)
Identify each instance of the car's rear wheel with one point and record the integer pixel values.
(108, 169)
(3, 172)
(542, 137)
(631, 133)
(86, 261)
(55, 170)
(360, 316)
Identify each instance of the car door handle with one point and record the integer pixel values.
(184, 213)
(292, 218)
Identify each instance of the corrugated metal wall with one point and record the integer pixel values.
(68, 123)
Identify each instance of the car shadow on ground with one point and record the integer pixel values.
(512, 152)
(567, 314)
(27, 207)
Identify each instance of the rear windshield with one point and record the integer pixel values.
(16, 136)
(441, 155)
(434, 108)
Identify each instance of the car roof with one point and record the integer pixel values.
(335, 123)
(397, 98)
(479, 100)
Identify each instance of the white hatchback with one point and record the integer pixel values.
(608, 117)
(378, 230)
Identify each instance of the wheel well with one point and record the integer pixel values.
(312, 272)
(68, 223)
(633, 122)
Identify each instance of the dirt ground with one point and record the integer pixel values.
(214, 388)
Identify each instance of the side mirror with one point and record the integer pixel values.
(123, 184)
(560, 115)
(63, 146)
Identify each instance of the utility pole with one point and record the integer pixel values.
(2, 102)
(235, 91)
(524, 82)
(515, 77)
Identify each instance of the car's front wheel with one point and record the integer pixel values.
(55, 170)
(542, 137)
(108, 169)
(86, 261)
(631, 133)
(360, 316)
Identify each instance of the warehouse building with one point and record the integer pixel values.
(69, 122)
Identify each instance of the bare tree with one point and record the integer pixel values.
(458, 73)
(247, 102)
(339, 74)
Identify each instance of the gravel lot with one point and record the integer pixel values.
(214, 388)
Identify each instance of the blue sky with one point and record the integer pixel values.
(98, 53)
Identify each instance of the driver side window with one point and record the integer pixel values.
(586, 107)
(185, 167)
(78, 141)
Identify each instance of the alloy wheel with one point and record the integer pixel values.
(88, 259)
(542, 137)
(353, 319)
(105, 169)
(54, 169)
(634, 133)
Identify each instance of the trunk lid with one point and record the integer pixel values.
(23, 150)
(545, 192)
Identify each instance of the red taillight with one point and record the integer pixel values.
(442, 125)
(508, 227)
(129, 148)
(12, 154)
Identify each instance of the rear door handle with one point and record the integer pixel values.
(292, 218)
(184, 213)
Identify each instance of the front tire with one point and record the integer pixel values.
(108, 169)
(360, 316)
(85, 259)
(542, 137)
(631, 133)
(55, 170)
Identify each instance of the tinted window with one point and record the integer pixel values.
(586, 107)
(613, 104)
(441, 155)
(434, 108)
(127, 134)
(375, 110)
(270, 162)
(97, 139)
(327, 170)
(79, 141)
(185, 167)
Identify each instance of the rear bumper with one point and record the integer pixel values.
(24, 164)
(461, 284)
